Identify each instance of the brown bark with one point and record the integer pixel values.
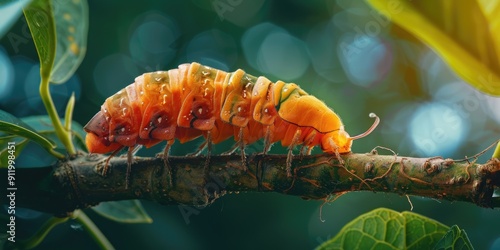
(78, 183)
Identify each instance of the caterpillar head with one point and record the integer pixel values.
(339, 141)
(97, 138)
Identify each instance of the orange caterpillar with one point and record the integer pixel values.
(196, 100)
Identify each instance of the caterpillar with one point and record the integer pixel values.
(195, 100)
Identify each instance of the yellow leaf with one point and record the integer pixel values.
(465, 33)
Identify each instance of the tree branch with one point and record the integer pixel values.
(77, 183)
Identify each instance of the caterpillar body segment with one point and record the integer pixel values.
(195, 100)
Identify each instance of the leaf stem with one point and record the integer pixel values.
(57, 154)
(68, 117)
(61, 132)
(92, 229)
(40, 18)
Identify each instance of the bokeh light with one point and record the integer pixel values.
(154, 40)
(253, 38)
(238, 12)
(113, 73)
(283, 55)
(273, 51)
(437, 129)
(60, 93)
(21, 66)
(6, 75)
(19, 87)
(339, 51)
(31, 87)
(434, 73)
(321, 42)
(9, 10)
(365, 59)
(464, 99)
(495, 245)
(214, 48)
(493, 104)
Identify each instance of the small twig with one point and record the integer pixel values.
(480, 153)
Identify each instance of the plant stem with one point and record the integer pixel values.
(56, 154)
(68, 117)
(92, 229)
(78, 183)
(40, 18)
(62, 134)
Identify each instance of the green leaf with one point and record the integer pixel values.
(9, 13)
(40, 20)
(13, 126)
(496, 153)
(128, 211)
(42, 126)
(4, 153)
(8, 118)
(454, 239)
(41, 23)
(387, 229)
(59, 30)
(464, 33)
(71, 18)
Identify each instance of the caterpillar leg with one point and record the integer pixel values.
(130, 157)
(237, 145)
(232, 150)
(166, 152)
(307, 144)
(267, 140)
(106, 165)
(199, 150)
(306, 147)
(242, 150)
(209, 150)
(302, 150)
(337, 154)
(289, 156)
(306, 150)
(136, 149)
(309, 150)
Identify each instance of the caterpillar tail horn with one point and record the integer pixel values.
(367, 132)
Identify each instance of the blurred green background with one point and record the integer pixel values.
(341, 51)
